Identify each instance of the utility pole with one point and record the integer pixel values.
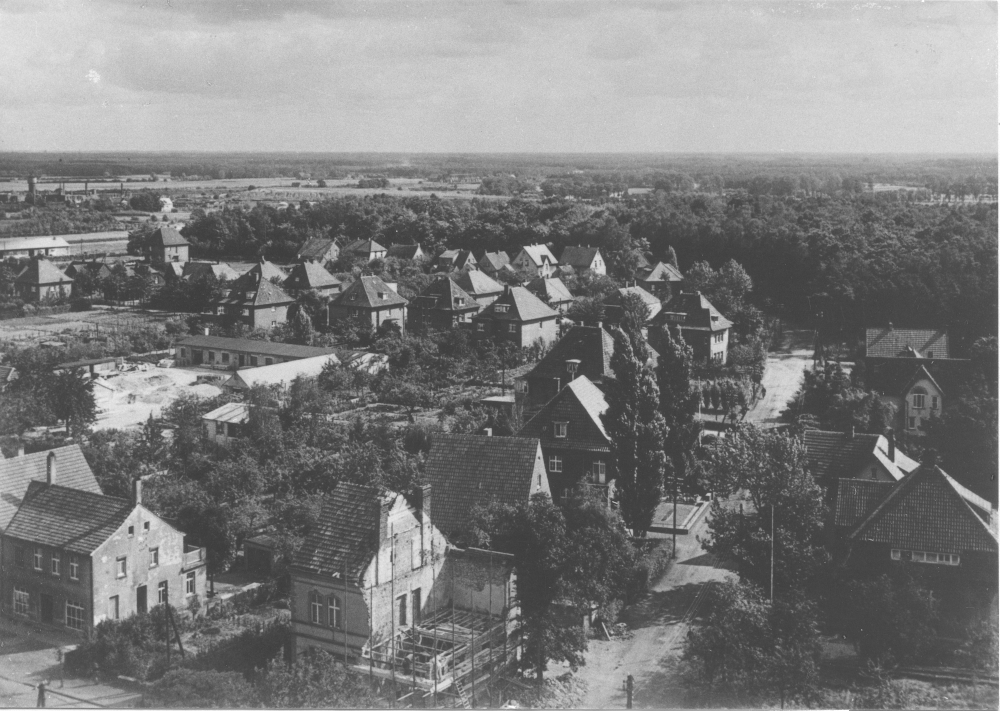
(673, 553)
(629, 688)
(772, 552)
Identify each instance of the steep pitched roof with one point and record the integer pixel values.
(42, 271)
(551, 290)
(476, 283)
(591, 345)
(494, 261)
(469, 470)
(895, 376)
(310, 275)
(522, 306)
(264, 293)
(167, 237)
(663, 272)
(445, 295)
(928, 510)
(539, 254)
(653, 303)
(364, 293)
(70, 519)
(580, 403)
(836, 454)
(856, 498)
(364, 247)
(889, 342)
(692, 310)
(72, 471)
(346, 535)
(316, 248)
(194, 270)
(579, 257)
(405, 251)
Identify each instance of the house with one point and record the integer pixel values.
(662, 280)
(479, 285)
(702, 326)
(582, 351)
(226, 423)
(455, 259)
(50, 246)
(552, 292)
(281, 374)
(575, 445)
(73, 558)
(613, 302)
(95, 270)
(321, 250)
(232, 353)
(441, 306)
(536, 259)
(41, 281)
(255, 301)
(367, 249)
(264, 269)
(914, 370)
(312, 276)
(517, 317)
(17, 472)
(192, 271)
(494, 262)
(412, 252)
(371, 298)
(926, 521)
(584, 259)
(167, 245)
(95, 367)
(376, 584)
(832, 456)
(466, 471)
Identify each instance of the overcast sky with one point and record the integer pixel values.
(481, 76)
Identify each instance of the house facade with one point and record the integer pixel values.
(226, 423)
(478, 285)
(494, 262)
(167, 245)
(42, 281)
(536, 259)
(254, 301)
(662, 280)
(517, 317)
(552, 292)
(702, 326)
(582, 351)
(367, 249)
(456, 259)
(583, 260)
(441, 306)
(371, 298)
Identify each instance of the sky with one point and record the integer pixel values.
(488, 76)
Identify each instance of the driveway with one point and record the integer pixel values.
(658, 625)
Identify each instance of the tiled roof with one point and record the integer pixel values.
(70, 519)
(591, 345)
(551, 291)
(364, 247)
(72, 471)
(539, 254)
(310, 275)
(891, 342)
(524, 307)
(364, 293)
(266, 270)
(579, 257)
(661, 271)
(494, 261)
(247, 345)
(476, 283)
(580, 403)
(856, 497)
(694, 311)
(41, 271)
(653, 303)
(836, 455)
(6, 373)
(167, 237)
(263, 294)
(926, 511)
(316, 248)
(346, 535)
(195, 270)
(445, 295)
(895, 376)
(405, 251)
(469, 470)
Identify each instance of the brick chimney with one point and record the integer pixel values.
(20, 448)
(137, 491)
(50, 469)
(891, 436)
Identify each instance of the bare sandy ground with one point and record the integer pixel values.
(127, 399)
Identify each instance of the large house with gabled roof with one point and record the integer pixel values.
(17, 472)
(167, 245)
(832, 456)
(456, 259)
(370, 297)
(494, 262)
(367, 249)
(552, 291)
(322, 250)
(479, 285)
(583, 260)
(254, 300)
(662, 280)
(700, 323)
(536, 259)
(312, 276)
(441, 306)
(613, 303)
(582, 351)
(40, 281)
(517, 317)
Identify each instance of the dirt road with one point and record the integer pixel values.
(658, 624)
(782, 378)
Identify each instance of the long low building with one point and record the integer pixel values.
(232, 353)
(278, 374)
(46, 246)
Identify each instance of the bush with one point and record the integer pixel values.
(80, 305)
(649, 567)
(187, 688)
(254, 648)
(130, 647)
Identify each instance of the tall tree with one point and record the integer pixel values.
(678, 399)
(633, 320)
(637, 432)
(71, 398)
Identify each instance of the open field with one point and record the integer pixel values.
(33, 329)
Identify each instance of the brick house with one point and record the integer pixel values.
(536, 259)
(322, 250)
(584, 259)
(662, 280)
(369, 296)
(552, 292)
(441, 306)
(73, 558)
(517, 317)
(167, 245)
(41, 281)
(702, 326)
(582, 351)
(255, 301)
(479, 285)
(575, 445)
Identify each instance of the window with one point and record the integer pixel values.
(896, 554)
(502, 308)
(599, 472)
(512, 328)
(20, 601)
(559, 429)
(154, 557)
(315, 608)
(333, 610)
(74, 615)
(211, 356)
(131, 530)
(911, 423)
(190, 580)
(183, 352)
(415, 606)
(269, 361)
(480, 326)
(113, 607)
(145, 525)
(930, 354)
(74, 568)
(54, 563)
(521, 386)
(934, 402)
(162, 592)
(121, 566)
(918, 399)
(416, 554)
(225, 357)
(401, 609)
(555, 463)
(38, 559)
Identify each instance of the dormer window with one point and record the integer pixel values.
(930, 354)
(382, 296)
(502, 308)
(571, 366)
(714, 318)
(354, 297)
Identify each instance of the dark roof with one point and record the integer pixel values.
(405, 251)
(88, 361)
(445, 295)
(892, 342)
(523, 307)
(476, 283)
(263, 294)
(364, 293)
(591, 345)
(895, 376)
(167, 237)
(494, 260)
(72, 471)
(579, 257)
(581, 404)
(346, 534)
(663, 272)
(468, 470)
(265, 270)
(70, 519)
(316, 248)
(856, 497)
(691, 310)
(310, 275)
(41, 271)
(929, 511)
(246, 345)
(835, 454)
(551, 290)
(364, 246)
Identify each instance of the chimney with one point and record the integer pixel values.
(50, 469)
(891, 436)
(600, 324)
(20, 448)
(850, 432)
(206, 330)
(890, 325)
(488, 431)
(383, 517)
(425, 502)
(137, 491)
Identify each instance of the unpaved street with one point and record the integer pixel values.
(782, 378)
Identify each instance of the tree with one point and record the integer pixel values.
(889, 618)
(71, 397)
(678, 400)
(302, 328)
(671, 258)
(637, 432)
(587, 310)
(635, 313)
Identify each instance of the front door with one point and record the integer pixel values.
(196, 356)
(140, 599)
(46, 603)
(242, 360)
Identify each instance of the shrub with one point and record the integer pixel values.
(650, 565)
(80, 305)
(188, 688)
(252, 649)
